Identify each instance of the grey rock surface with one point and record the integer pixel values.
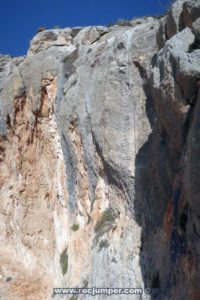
(99, 164)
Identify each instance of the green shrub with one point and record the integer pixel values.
(122, 22)
(73, 297)
(107, 218)
(64, 261)
(75, 227)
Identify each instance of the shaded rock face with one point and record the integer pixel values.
(99, 166)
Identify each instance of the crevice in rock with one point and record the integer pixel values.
(196, 44)
(70, 165)
(100, 36)
(121, 179)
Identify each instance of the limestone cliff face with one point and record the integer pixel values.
(99, 160)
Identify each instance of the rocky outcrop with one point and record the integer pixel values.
(99, 167)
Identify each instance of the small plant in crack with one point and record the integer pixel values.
(75, 227)
(107, 218)
(73, 297)
(64, 261)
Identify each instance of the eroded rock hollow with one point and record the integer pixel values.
(99, 160)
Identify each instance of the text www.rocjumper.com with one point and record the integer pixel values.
(101, 291)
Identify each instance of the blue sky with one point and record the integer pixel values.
(20, 18)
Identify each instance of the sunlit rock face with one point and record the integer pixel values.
(99, 160)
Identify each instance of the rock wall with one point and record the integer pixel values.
(99, 160)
